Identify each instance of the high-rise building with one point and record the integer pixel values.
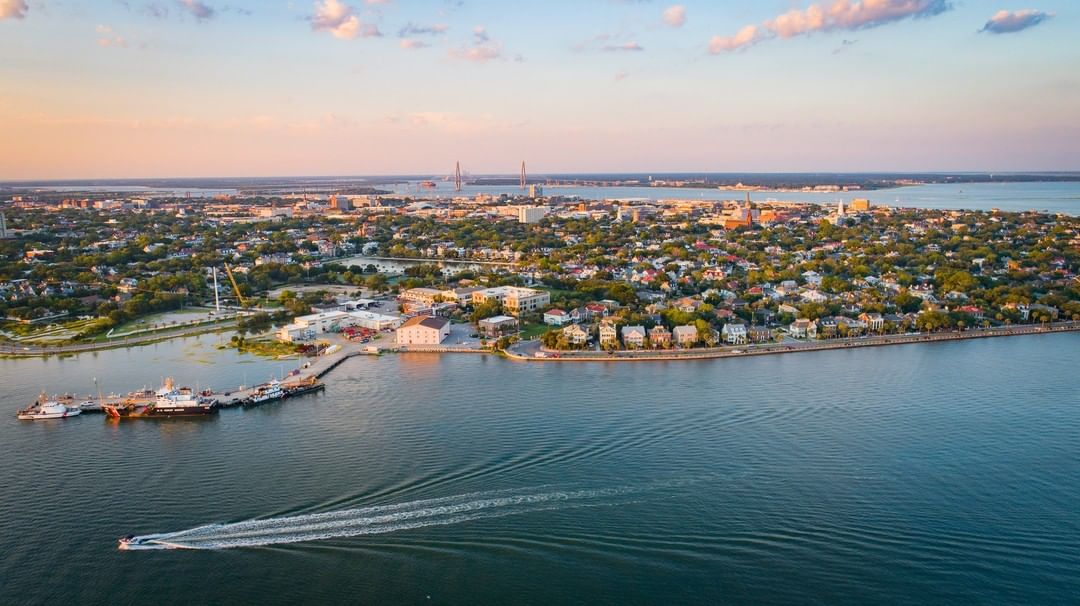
(531, 214)
(339, 202)
(536, 191)
(3, 227)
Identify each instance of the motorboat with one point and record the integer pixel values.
(48, 409)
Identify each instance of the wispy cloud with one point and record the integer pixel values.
(609, 44)
(412, 44)
(837, 15)
(675, 15)
(13, 9)
(747, 36)
(340, 20)
(1006, 22)
(625, 46)
(198, 9)
(412, 29)
(107, 38)
(844, 45)
(481, 50)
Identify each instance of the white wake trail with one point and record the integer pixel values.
(376, 519)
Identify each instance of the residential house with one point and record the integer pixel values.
(686, 336)
(633, 336)
(576, 335)
(735, 333)
(875, 322)
(609, 334)
(687, 305)
(803, 329)
(759, 334)
(660, 337)
(556, 317)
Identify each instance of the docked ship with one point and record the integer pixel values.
(275, 390)
(269, 392)
(169, 401)
(48, 409)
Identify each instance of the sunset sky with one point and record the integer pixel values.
(144, 88)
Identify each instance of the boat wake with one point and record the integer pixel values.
(379, 519)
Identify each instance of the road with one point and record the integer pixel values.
(527, 350)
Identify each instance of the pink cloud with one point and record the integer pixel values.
(339, 19)
(1005, 22)
(482, 49)
(13, 9)
(746, 36)
(830, 16)
(675, 15)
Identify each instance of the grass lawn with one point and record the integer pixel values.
(558, 294)
(50, 334)
(532, 331)
(164, 319)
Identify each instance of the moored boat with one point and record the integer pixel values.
(47, 409)
(169, 401)
(275, 390)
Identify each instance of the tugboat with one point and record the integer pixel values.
(169, 402)
(266, 393)
(275, 390)
(47, 409)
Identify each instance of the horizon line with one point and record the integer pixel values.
(407, 176)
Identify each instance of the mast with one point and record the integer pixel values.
(217, 300)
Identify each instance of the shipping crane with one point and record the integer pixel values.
(236, 287)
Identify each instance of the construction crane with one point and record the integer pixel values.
(236, 287)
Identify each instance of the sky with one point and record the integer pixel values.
(214, 88)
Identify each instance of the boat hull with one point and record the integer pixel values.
(163, 412)
(288, 392)
(33, 416)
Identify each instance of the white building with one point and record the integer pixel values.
(423, 330)
(327, 321)
(531, 214)
(735, 333)
(307, 328)
(372, 320)
(556, 317)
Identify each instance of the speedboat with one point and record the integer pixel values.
(48, 410)
(128, 541)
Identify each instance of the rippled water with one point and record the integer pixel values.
(935, 473)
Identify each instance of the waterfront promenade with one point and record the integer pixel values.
(526, 351)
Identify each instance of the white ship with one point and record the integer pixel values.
(267, 393)
(46, 409)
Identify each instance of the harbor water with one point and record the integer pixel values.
(944, 473)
